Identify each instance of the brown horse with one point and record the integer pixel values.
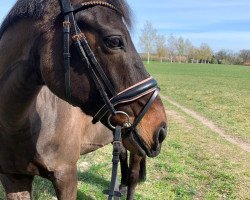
(41, 134)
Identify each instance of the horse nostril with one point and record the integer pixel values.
(162, 134)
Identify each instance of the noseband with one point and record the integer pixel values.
(110, 97)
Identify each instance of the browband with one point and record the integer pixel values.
(85, 5)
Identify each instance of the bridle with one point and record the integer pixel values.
(110, 97)
(102, 83)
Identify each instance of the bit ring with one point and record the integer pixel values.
(126, 124)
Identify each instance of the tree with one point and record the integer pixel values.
(221, 56)
(193, 54)
(171, 47)
(233, 58)
(199, 55)
(180, 47)
(147, 39)
(206, 53)
(188, 48)
(161, 47)
(214, 60)
(245, 56)
(228, 57)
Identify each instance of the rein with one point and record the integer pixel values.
(110, 97)
(115, 160)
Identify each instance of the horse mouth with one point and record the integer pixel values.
(142, 147)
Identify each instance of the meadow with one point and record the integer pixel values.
(219, 92)
(195, 162)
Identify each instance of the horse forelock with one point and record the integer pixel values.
(125, 10)
(37, 8)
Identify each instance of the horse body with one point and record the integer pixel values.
(41, 134)
(51, 147)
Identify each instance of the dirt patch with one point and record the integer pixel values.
(210, 124)
(175, 116)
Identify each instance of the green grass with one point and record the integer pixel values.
(219, 92)
(195, 163)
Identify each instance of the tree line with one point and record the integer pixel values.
(177, 49)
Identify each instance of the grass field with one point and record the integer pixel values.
(195, 163)
(219, 92)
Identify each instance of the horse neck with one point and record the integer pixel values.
(19, 87)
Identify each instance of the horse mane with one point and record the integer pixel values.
(36, 9)
(23, 9)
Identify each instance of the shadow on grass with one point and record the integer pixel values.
(43, 189)
(93, 179)
(98, 181)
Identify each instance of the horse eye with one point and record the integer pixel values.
(114, 42)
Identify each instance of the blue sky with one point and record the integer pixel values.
(220, 23)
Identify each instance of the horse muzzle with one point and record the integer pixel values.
(133, 141)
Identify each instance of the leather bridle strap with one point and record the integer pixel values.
(66, 54)
(130, 94)
(94, 74)
(144, 110)
(115, 160)
(117, 147)
(81, 42)
(101, 81)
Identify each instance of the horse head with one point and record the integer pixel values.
(105, 76)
